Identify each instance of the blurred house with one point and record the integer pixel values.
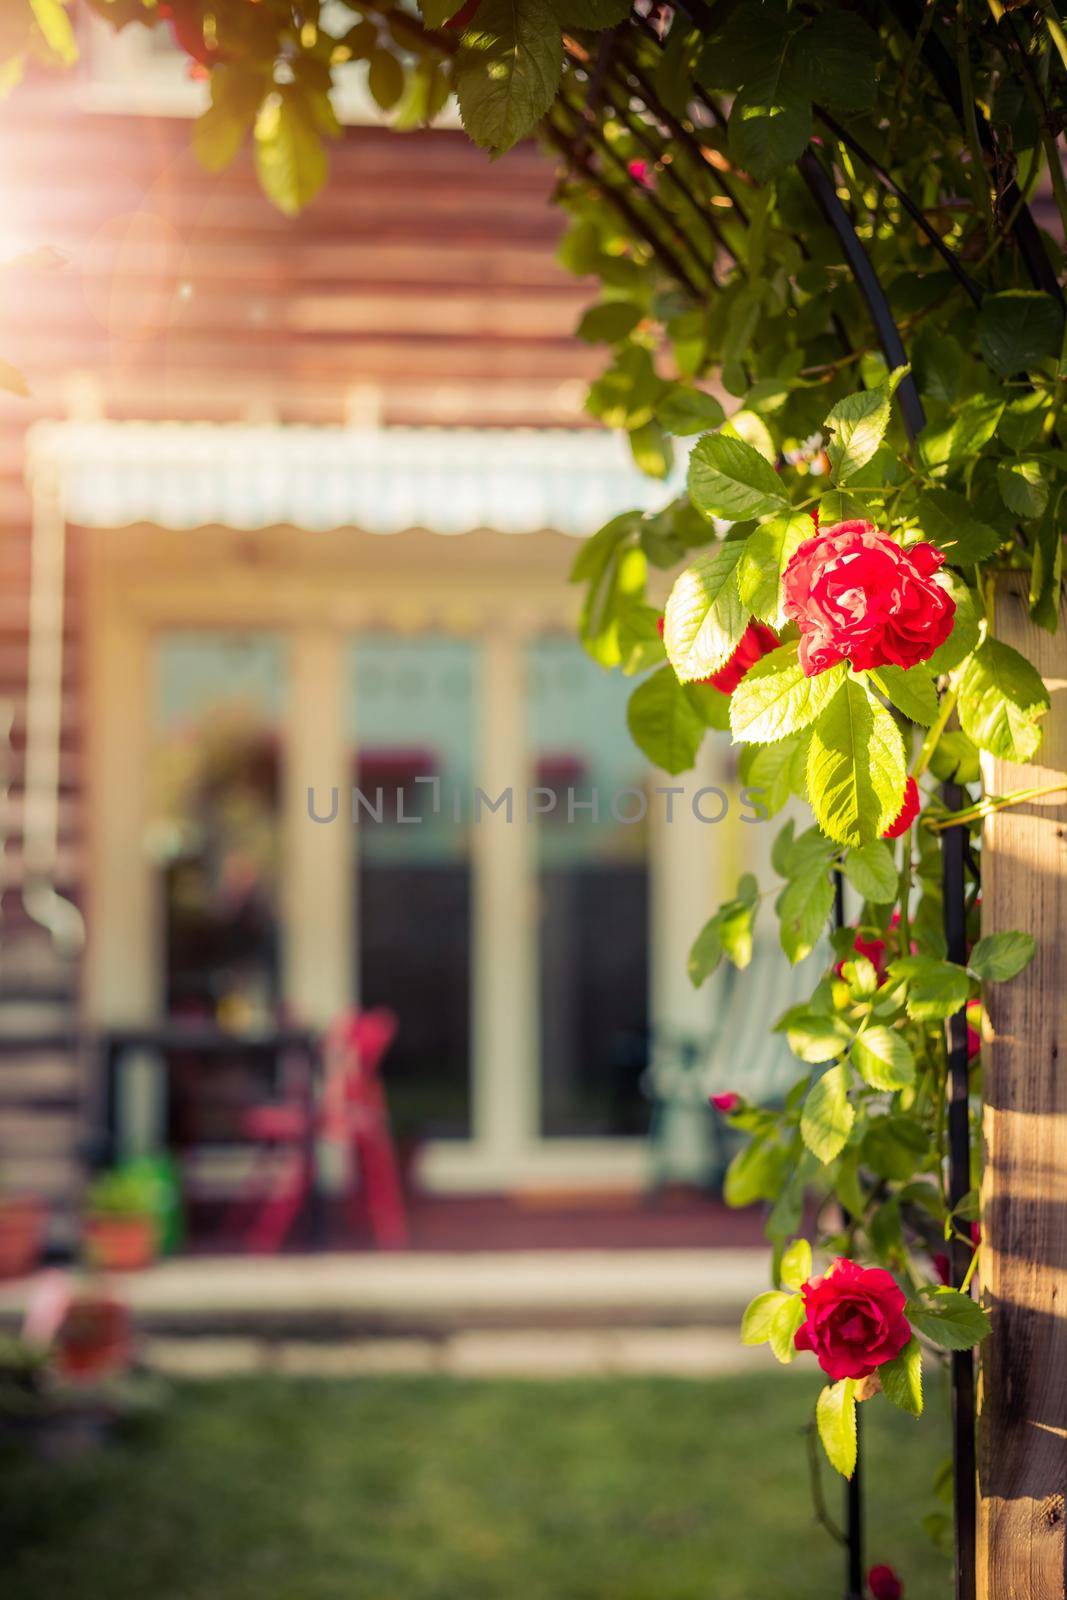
(296, 514)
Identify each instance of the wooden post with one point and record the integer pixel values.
(1022, 1549)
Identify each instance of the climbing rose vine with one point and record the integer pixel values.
(833, 327)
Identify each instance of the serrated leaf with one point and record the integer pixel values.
(948, 520)
(1001, 699)
(1017, 329)
(902, 1379)
(813, 1036)
(729, 478)
(662, 723)
(795, 1268)
(1023, 487)
(767, 553)
(685, 410)
(856, 767)
(755, 1173)
(872, 872)
(835, 1414)
(704, 618)
(964, 636)
(1001, 956)
(949, 1319)
(593, 14)
(770, 125)
(508, 70)
(759, 1314)
(828, 1115)
(784, 1324)
(776, 697)
(609, 321)
(836, 58)
(935, 989)
(803, 908)
(858, 424)
(911, 691)
(883, 1058)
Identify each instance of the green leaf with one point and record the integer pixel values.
(784, 1324)
(964, 636)
(755, 1173)
(776, 697)
(812, 1035)
(902, 1379)
(508, 70)
(803, 909)
(220, 131)
(652, 450)
(1001, 699)
(759, 1314)
(705, 619)
(858, 424)
(609, 322)
(894, 1147)
(1023, 487)
(948, 520)
(770, 125)
(728, 932)
(795, 1269)
(836, 58)
(883, 1058)
(768, 551)
(663, 724)
(828, 1114)
(835, 1414)
(685, 410)
(290, 158)
(1017, 329)
(949, 1319)
(593, 14)
(385, 79)
(856, 767)
(729, 478)
(911, 691)
(935, 989)
(1000, 956)
(872, 872)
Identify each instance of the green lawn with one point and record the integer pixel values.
(435, 1489)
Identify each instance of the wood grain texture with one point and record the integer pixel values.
(1022, 1549)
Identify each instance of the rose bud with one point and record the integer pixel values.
(854, 1320)
(756, 641)
(884, 1584)
(858, 596)
(725, 1102)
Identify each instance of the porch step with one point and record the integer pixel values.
(341, 1297)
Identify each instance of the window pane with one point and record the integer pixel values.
(414, 711)
(218, 705)
(593, 894)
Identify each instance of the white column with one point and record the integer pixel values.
(506, 1044)
(318, 885)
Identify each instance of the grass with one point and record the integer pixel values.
(437, 1489)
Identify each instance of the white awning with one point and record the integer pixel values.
(383, 480)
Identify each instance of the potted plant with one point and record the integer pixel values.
(121, 1228)
(22, 1225)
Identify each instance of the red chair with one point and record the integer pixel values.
(353, 1109)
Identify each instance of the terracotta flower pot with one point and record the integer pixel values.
(94, 1340)
(118, 1243)
(22, 1221)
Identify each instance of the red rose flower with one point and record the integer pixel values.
(884, 1584)
(974, 1029)
(725, 1102)
(854, 1320)
(909, 810)
(756, 642)
(857, 596)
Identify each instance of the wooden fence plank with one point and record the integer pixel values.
(1022, 1550)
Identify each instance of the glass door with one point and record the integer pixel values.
(413, 716)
